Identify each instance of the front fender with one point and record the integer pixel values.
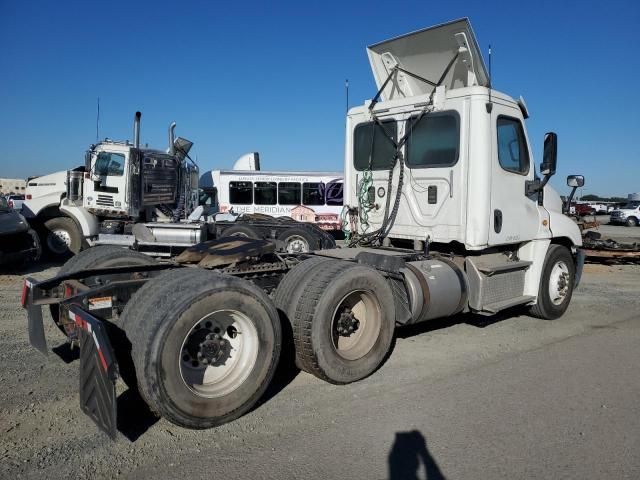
(87, 222)
(562, 226)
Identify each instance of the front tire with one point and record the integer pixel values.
(61, 237)
(556, 284)
(208, 349)
(631, 222)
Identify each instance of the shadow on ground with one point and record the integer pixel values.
(473, 319)
(134, 416)
(409, 456)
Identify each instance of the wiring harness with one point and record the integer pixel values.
(358, 235)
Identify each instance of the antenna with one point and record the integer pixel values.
(489, 103)
(346, 87)
(98, 122)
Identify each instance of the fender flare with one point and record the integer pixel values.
(88, 223)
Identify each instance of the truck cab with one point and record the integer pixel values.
(466, 164)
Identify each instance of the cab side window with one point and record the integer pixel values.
(513, 153)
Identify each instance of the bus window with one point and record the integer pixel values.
(313, 193)
(334, 193)
(241, 193)
(264, 193)
(289, 193)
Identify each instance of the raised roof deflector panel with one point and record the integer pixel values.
(426, 53)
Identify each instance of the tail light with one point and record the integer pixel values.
(10, 203)
(25, 292)
(28, 196)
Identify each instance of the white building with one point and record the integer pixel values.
(12, 185)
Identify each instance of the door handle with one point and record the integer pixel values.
(497, 220)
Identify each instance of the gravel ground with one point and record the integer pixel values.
(490, 397)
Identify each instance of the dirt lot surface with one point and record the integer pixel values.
(469, 397)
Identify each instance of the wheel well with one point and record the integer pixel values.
(564, 241)
(51, 211)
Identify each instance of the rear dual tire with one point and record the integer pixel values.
(342, 317)
(198, 315)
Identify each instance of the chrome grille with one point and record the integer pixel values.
(105, 200)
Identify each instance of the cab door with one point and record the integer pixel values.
(109, 180)
(514, 216)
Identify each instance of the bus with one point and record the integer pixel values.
(314, 197)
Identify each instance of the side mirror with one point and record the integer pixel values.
(87, 161)
(550, 157)
(575, 181)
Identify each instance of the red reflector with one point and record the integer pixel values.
(68, 291)
(25, 293)
(28, 197)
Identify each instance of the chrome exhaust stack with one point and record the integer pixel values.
(172, 138)
(136, 130)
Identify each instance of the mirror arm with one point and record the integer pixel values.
(567, 206)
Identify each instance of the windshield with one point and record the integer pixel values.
(109, 163)
(632, 205)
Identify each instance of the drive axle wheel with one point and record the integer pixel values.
(298, 240)
(218, 353)
(205, 345)
(344, 321)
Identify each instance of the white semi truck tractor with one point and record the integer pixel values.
(446, 214)
(144, 199)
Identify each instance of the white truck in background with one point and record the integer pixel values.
(145, 199)
(447, 215)
(628, 214)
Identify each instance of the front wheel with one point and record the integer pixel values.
(61, 237)
(556, 284)
(632, 222)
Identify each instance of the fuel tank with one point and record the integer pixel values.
(437, 288)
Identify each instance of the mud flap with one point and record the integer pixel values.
(36, 328)
(98, 371)
(34, 317)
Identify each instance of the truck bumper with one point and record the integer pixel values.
(98, 369)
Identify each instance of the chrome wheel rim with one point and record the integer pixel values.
(218, 353)
(358, 313)
(297, 244)
(559, 283)
(59, 241)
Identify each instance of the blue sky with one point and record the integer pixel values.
(269, 77)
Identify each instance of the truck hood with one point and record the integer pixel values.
(53, 181)
(12, 222)
(427, 53)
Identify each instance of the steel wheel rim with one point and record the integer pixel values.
(238, 358)
(59, 241)
(559, 282)
(366, 309)
(297, 244)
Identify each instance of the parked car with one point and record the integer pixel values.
(584, 209)
(628, 215)
(15, 201)
(18, 242)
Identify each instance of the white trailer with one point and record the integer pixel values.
(447, 215)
